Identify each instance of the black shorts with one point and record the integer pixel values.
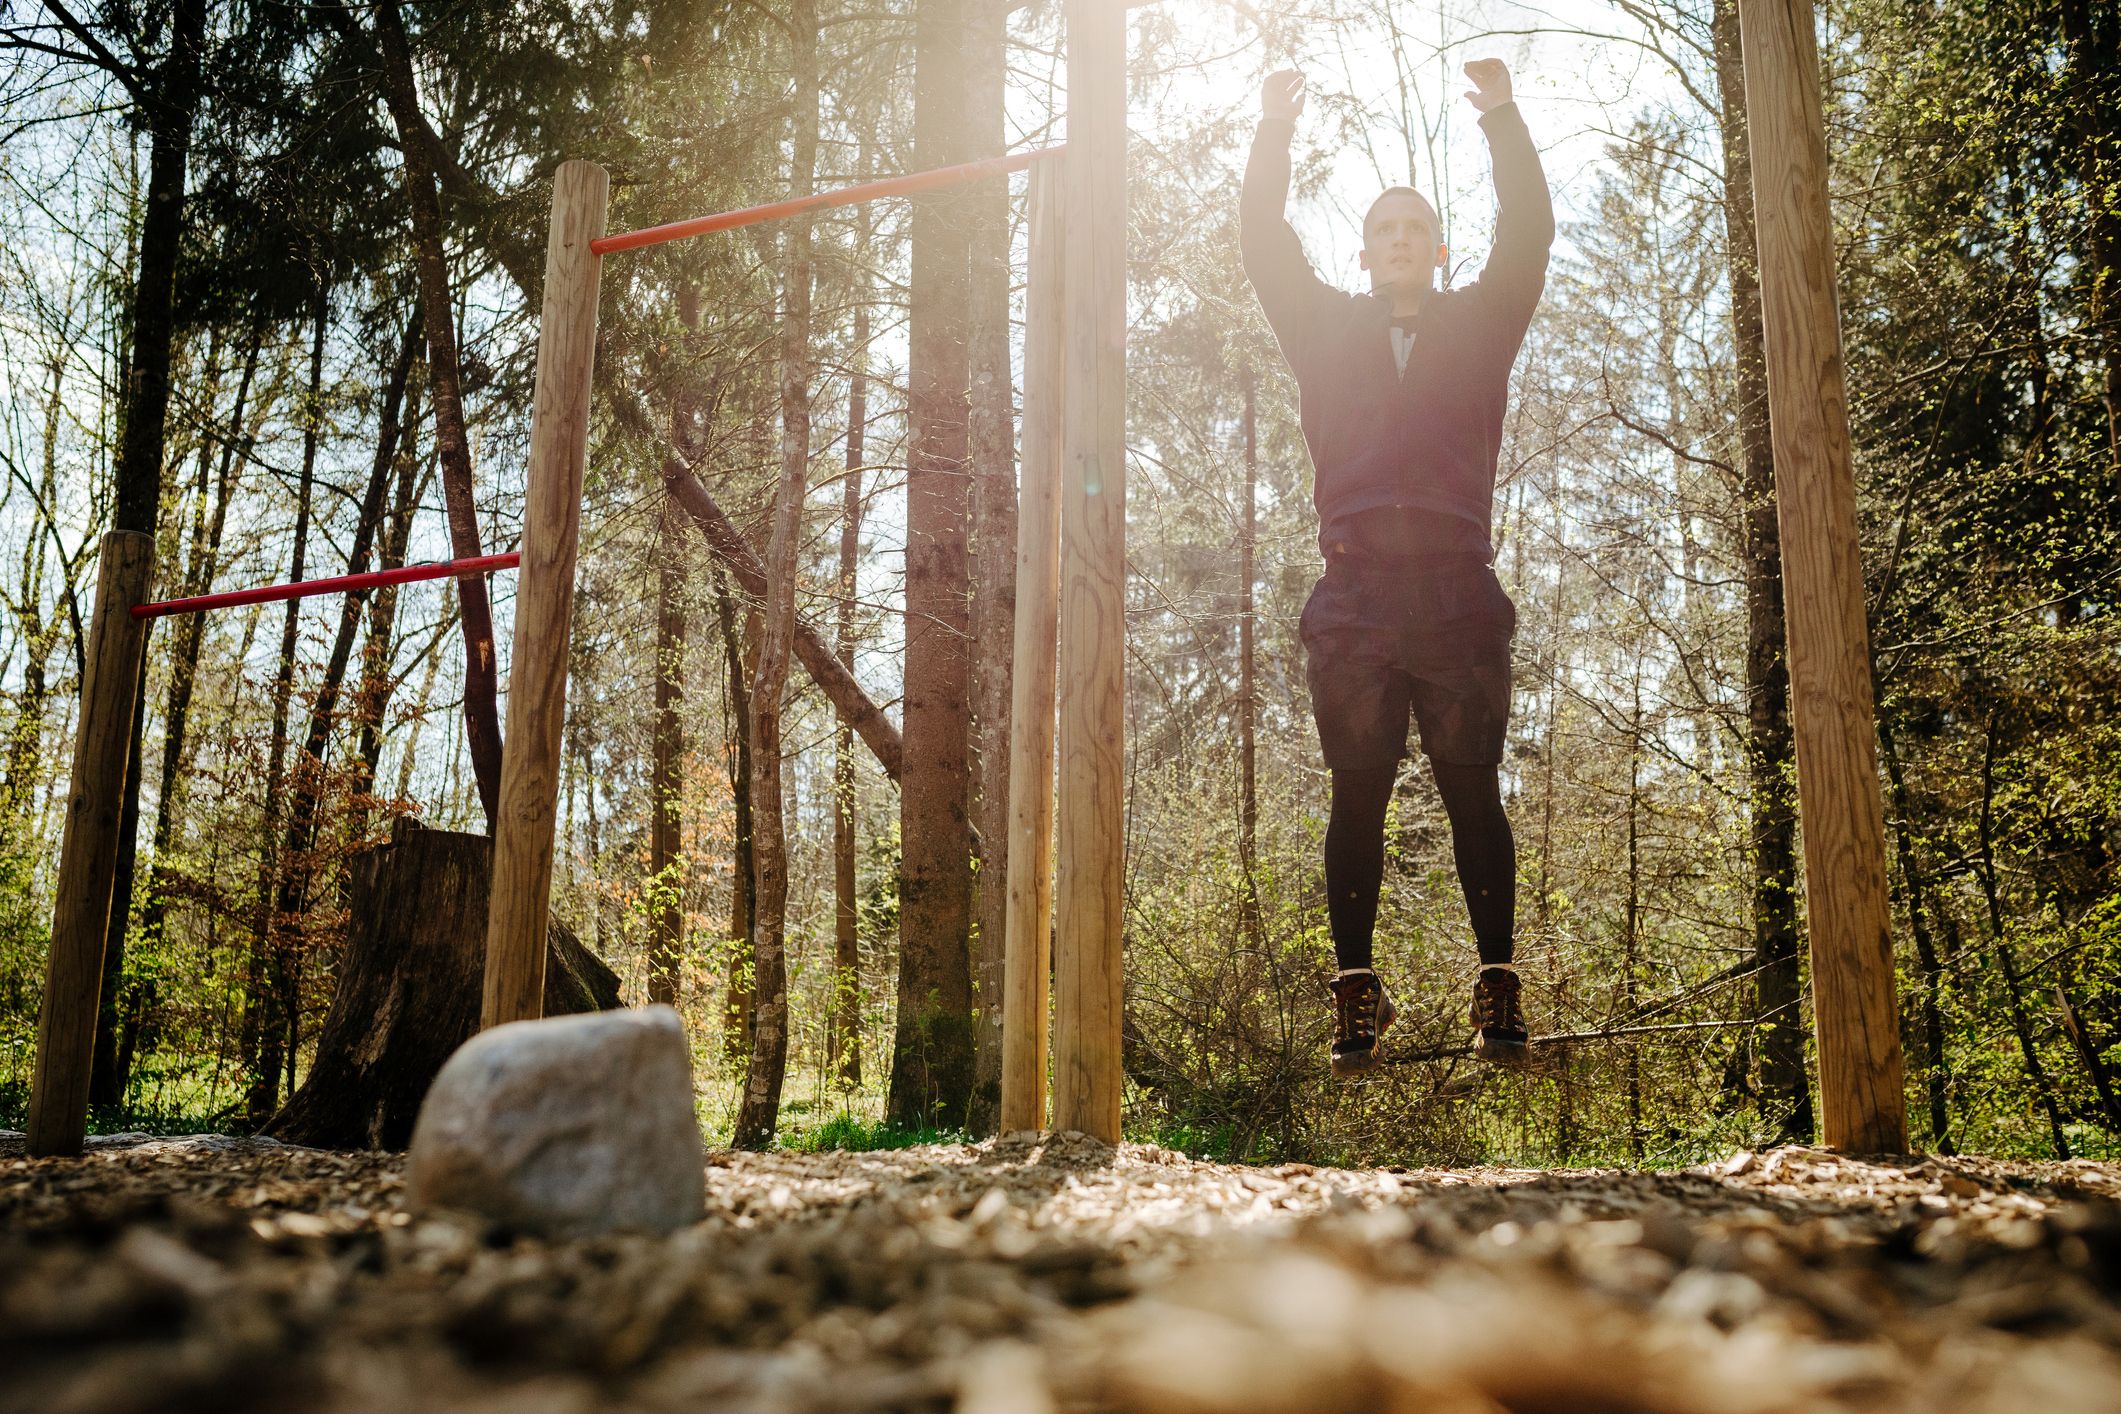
(1388, 640)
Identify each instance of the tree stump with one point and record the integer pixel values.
(409, 987)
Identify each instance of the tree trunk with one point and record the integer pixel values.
(1936, 1069)
(408, 988)
(297, 861)
(1770, 747)
(411, 755)
(2088, 1055)
(991, 443)
(144, 412)
(2006, 955)
(759, 1113)
(843, 1036)
(665, 780)
(1631, 920)
(932, 1050)
(1247, 703)
(119, 1023)
(399, 433)
(736, 995)
(262, 1018)
(103, 1052)
(2094, 56)
(666, 784)
(371, 522)
(150, 319)
(482, 723)
(25, 739)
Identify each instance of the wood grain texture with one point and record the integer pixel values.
(1027, 935)
(1861, 1083)
(407, 984)
(88, 847)
(537, 686)
(932, 1042)
(1087, 1078)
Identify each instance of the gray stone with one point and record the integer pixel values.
(567, 1126)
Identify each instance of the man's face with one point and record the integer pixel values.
(1399, 245)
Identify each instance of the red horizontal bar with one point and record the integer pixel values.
(845, 196)
(338, 584)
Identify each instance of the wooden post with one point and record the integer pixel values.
(1087, 889)
(88, 847)
(537, 670)
(1026, 953)
(1862, 1100)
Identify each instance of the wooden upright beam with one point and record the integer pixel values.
(88, 846)
(537, 672)
(1862, 1099)
(1093, 703)
(1026, 953)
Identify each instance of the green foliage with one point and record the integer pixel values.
(843, 1130)
(25, 939)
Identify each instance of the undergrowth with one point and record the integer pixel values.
(850, 1132)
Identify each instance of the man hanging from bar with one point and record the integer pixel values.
(1402, 393)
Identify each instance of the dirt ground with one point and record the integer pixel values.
(1016, 1277)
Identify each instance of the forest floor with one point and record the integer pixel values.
(1015, 1276)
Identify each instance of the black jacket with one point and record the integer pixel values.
(1427, 439)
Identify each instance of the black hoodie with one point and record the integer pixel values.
(1427, 439)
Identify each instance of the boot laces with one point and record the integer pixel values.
(1355, 1008)
(1495, 1001)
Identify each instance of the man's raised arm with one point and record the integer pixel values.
(1289, 290)
(1516, 271)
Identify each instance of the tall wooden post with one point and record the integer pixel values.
(517, 918)
(1026, 953)
(1862, 1100)
(666, 737)
(1087, 889)
(88, 846)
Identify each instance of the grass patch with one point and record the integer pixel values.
(1214, 1143)
(852, 1133)
(127, 1118)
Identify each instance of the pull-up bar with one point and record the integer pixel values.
(517, 922)
(845, 196)
(337, 584)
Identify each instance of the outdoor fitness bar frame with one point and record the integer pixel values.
(523, 832)
(524, 827)
(1072, 565)
(514, 983)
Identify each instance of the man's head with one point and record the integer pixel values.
(1402, 242)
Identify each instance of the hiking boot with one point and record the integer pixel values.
(1498, 1019)
(1362, 1013)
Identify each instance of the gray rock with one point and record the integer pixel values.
(567, 1126)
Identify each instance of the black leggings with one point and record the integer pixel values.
(1480, 838)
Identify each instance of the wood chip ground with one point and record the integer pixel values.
(1018, 1276)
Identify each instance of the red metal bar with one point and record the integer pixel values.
(338, 584)
(845, 196)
